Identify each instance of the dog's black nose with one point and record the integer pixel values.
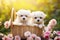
(23, 18)
(38, 20)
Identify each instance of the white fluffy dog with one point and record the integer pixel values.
(23, 17)
(38, 19)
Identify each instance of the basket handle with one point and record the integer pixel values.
(12, 17)
(13, 14)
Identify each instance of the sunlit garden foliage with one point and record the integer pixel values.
(50, 7)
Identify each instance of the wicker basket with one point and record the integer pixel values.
(19, 30)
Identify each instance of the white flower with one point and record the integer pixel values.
(37, 38)
(27, 34)
(33, 35)
(17, 37)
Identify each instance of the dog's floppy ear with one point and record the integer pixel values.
(29, 13)
(44, 15)
(32, 14)
(18, 13)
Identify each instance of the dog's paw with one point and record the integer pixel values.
(20, 24)
(32, 25)
(28, 24)
(14, 23)
(36, 25)
(40, 26)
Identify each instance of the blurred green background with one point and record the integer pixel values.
(50, 7)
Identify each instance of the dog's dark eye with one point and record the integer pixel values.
(40, 17)
(26, 15)
(21, 15)
(35, 17)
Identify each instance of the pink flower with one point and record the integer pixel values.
(17, 38)
(54, 32)
(58, 33)
(47, 28)
(10, 36)
(6, 38)
(33, 35)
(51, 24)
(27, 34)
(7, 24)
(47, 34)
(57, 38)
(29, 38)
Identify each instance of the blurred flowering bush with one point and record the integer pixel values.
(50, 7)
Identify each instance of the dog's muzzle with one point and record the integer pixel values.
(23, 18)
(38, 20)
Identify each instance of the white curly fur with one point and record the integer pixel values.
(38, 19)
(23, 16)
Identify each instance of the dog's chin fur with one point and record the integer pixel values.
(38, 14)
(19, 19)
